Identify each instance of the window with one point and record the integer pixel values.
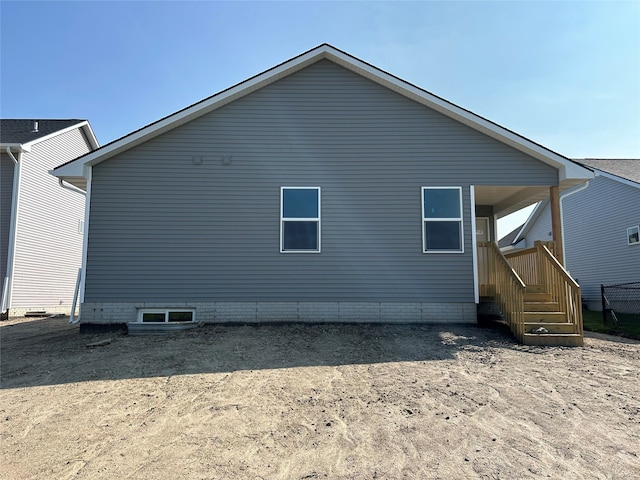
(442, 220)
(300, 219)
(165, 315)
(633, 235)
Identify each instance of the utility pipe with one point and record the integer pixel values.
(73, 318)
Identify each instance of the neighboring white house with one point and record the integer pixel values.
(41, 223)
(601, 222)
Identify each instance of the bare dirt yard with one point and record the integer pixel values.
(314, 402)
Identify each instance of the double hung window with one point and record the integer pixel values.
(442, 220)
(300, 219)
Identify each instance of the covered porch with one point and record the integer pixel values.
(535, 294)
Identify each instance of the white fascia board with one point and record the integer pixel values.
(573, 171)
(16, 147)
(88, 131)
(72, 169)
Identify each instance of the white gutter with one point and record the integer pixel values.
(71, 188)
(562, 197)
(7, 286)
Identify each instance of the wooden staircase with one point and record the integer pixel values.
(538, 299)
(542, 314)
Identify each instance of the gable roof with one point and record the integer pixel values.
(509, 237)
(21, 133)
(626, 168)
(570, 172)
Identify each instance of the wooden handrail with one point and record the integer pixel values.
(525, 251)
(519, 252)
(508, 287)
(563, 288)
(554, 261)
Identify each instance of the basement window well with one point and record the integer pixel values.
(165, 316)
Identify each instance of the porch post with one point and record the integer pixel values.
(556, 222)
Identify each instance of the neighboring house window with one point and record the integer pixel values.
(633, 235)
(165, 315)
(300, 219)
(442, 220)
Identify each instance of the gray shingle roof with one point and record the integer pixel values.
(21, 131)
(628, 168)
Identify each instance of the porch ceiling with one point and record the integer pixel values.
(509, 199)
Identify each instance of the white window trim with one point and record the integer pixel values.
(312, 219)
(474, 242)
(166, 312)
(457, 219)
(630, 231)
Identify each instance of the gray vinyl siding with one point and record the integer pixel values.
(170, 221)
(6, 194)
(595, 223)
(48, 244)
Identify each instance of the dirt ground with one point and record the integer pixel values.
(313, 402)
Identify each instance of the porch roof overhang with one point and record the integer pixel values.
(509, 199)
(570, 173)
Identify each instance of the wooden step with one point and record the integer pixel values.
(551, 327)
(545, 317)
(540, 306)
(537, 297)
(535, 289)
(553, 339)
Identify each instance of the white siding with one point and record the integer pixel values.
(48, 244)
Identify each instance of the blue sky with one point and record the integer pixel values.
(564, 74)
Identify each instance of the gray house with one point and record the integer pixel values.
(323, 189)
(601, 222)
(41, 224)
